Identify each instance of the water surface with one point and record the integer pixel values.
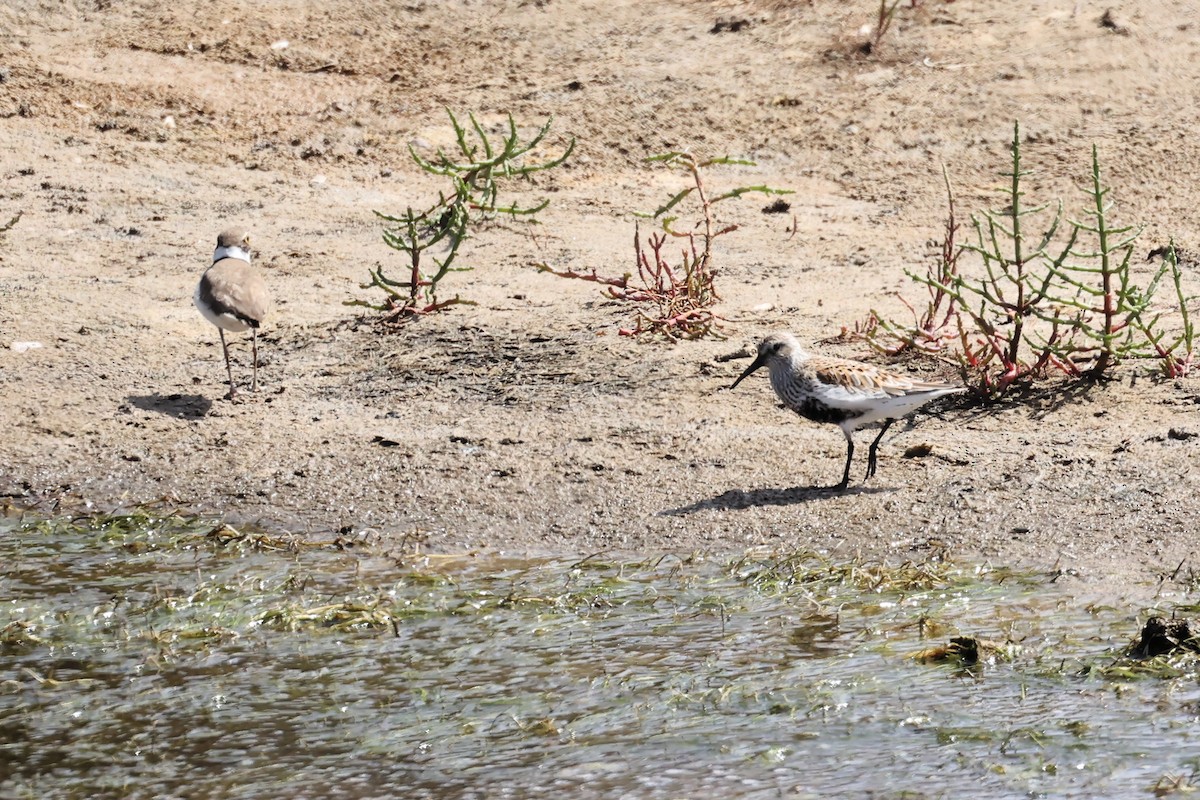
(155, 658)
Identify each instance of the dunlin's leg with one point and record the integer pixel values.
(874, 451)
(254, 344)
(228, 369)
(849, 457)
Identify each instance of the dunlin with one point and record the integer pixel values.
(847, 393)
(233, 296)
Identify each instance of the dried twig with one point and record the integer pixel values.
(682, 295)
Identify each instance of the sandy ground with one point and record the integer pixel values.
(134, 131)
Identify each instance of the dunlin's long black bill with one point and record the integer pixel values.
(758, 362)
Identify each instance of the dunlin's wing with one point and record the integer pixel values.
(873, 392)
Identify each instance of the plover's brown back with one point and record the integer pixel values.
(233, 295)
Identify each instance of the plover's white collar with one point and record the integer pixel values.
(233, 251)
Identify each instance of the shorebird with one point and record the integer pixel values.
(233, 296)
(847, 393)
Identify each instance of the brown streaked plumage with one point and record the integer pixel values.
(233, 296)
(847, 393)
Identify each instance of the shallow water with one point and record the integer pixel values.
(149, 659)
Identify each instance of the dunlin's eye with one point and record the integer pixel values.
(775, 348)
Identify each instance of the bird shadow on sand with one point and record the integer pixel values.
(735, 499)
(180, 406)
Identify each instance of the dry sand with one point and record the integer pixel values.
(134, 131)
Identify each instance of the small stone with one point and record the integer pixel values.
(919, 450)
(1114, 23)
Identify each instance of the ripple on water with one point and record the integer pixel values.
(151, 662)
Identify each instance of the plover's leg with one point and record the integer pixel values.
(254, 345)
(849, 457)
(872, 454)
(228, 369)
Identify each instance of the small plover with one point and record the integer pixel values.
(847, 393)
(233, 296)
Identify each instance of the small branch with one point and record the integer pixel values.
(620, 283)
